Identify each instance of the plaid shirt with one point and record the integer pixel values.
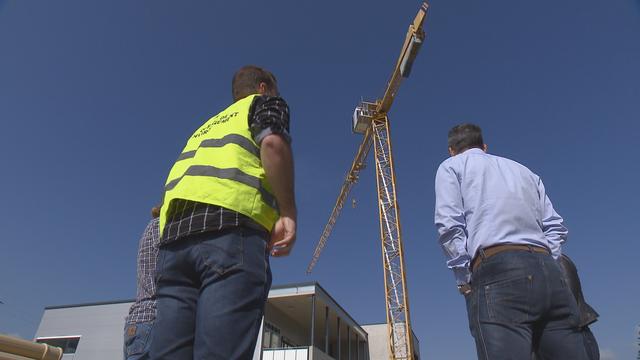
(144, 309)
(267, 115)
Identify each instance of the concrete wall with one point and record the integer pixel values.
(100, 329)
(378, 343)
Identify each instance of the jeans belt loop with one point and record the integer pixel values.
(477, 259)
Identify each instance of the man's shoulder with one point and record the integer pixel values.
(460, 159)
(481, 159)
(268, 100)
(522, 167)
(151, 232)
(153, 224)
(447, 164)
(268, 106)
(508, 161)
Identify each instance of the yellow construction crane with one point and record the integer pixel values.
(370, 119)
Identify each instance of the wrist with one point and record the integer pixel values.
(289, 212)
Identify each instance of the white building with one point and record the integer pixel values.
(302, 321)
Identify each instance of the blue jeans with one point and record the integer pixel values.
(137, 340)
(519, 304)
(591, 344)
(212, 288)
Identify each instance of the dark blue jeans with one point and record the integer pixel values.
(591, 344)
(211, 292)
(519, 304)
(137, 340)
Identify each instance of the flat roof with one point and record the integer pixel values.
(113, 302)
(98, 303)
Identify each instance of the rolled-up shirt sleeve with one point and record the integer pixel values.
(552, 223)
(269, 115)
(451, 224)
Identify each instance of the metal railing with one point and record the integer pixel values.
(292, 353)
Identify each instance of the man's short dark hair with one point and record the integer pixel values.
(155, 211)
(465, 136)
(246, 81)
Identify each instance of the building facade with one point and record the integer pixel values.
(301, 322)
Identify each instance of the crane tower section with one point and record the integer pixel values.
(371, 120)
(397, 299)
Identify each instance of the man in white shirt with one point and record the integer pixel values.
(500, 234)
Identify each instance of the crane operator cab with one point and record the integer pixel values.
(362, 116)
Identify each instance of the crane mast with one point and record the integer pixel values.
(371, 120)
(396, 296)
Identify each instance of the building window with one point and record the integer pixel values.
(68, 344)
(270, 336)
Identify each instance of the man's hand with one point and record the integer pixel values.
(283, 236)
(464, 289)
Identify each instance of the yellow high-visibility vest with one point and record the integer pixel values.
(220, 165)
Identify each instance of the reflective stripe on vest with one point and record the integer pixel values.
(220, 165)
(230, 174)
(228, 139)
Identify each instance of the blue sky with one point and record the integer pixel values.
(97, 99)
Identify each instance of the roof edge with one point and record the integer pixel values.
(89, 304)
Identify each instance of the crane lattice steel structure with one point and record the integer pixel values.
(370, 119)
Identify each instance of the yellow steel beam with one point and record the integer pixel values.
(415, 30)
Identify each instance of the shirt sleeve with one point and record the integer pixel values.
(146, 262)
(269, 115)
(552, 224)
(451, 223)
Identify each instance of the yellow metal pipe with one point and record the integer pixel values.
(28, 349)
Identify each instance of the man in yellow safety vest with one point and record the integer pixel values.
(228, 205)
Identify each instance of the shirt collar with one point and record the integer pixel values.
(472, 151)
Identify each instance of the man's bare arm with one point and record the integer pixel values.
(277, 161)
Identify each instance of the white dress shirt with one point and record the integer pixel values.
(484, 200)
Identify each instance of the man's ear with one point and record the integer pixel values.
(263, 88)
(484, 147)
(451, 152)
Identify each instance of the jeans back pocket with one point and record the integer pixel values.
(136, 338)
(224, 253)
(508, 300)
